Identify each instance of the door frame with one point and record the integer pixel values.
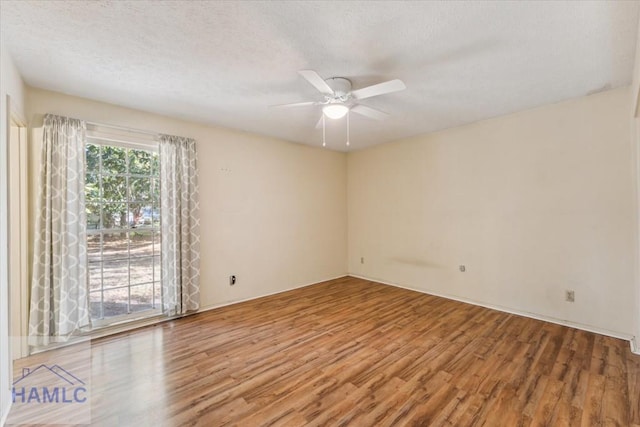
(18, 231)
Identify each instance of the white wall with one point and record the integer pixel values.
(532, 203)
(10, 85)
(272, 212)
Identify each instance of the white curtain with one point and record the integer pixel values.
(180, 225)
(59, 297)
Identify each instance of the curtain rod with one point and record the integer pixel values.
(128, 129)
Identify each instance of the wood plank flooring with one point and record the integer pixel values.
(357, 353)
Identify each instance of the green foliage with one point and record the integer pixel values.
(115, 176)
(140, 162)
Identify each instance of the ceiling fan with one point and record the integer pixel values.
(340, 99)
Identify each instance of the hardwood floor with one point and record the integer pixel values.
(358, 353)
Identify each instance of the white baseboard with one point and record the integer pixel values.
(635, 346)
(588, 328)
(226, 303)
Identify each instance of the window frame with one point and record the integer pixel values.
(98, 137)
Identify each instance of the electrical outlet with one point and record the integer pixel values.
(361, 260)
(570, 296)
(232, 280)
(463, 268)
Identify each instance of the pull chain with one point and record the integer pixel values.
(348, 114)
(324, 140)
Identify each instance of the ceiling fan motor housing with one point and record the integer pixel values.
(339, 99)
(341, 88)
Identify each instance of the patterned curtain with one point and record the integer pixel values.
(59, 297)
(180, 225)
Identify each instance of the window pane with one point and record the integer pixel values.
(155, 217)
(157, 294)
(92, 187)
(141, 270)
(140, 189)
(156, 269)
(93, 216)
(92, 156)
(115, 273)
(149, 216)
(116, 302)
(141, 297)
(114, 188)
(114, 215)
(95, 276)
(114, 160)
(135, 215)
(155, 191)
(115, 246)
(93, 248)
(139, 162)
(155, 164)
(141, 242)
(141, 215)
(95, 304)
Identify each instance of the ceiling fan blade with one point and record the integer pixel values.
(369, 112)
(379, 89)
(317, 81)
(295, 104)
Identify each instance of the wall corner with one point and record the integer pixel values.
(635, 345)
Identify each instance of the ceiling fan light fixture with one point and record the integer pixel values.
(335, 111)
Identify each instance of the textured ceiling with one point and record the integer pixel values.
(225, 63)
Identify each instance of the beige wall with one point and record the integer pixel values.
(635, 139)
(273, 213)
(635, 83)
(10, 86)
(532, 203)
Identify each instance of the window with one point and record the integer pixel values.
(123, 231)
